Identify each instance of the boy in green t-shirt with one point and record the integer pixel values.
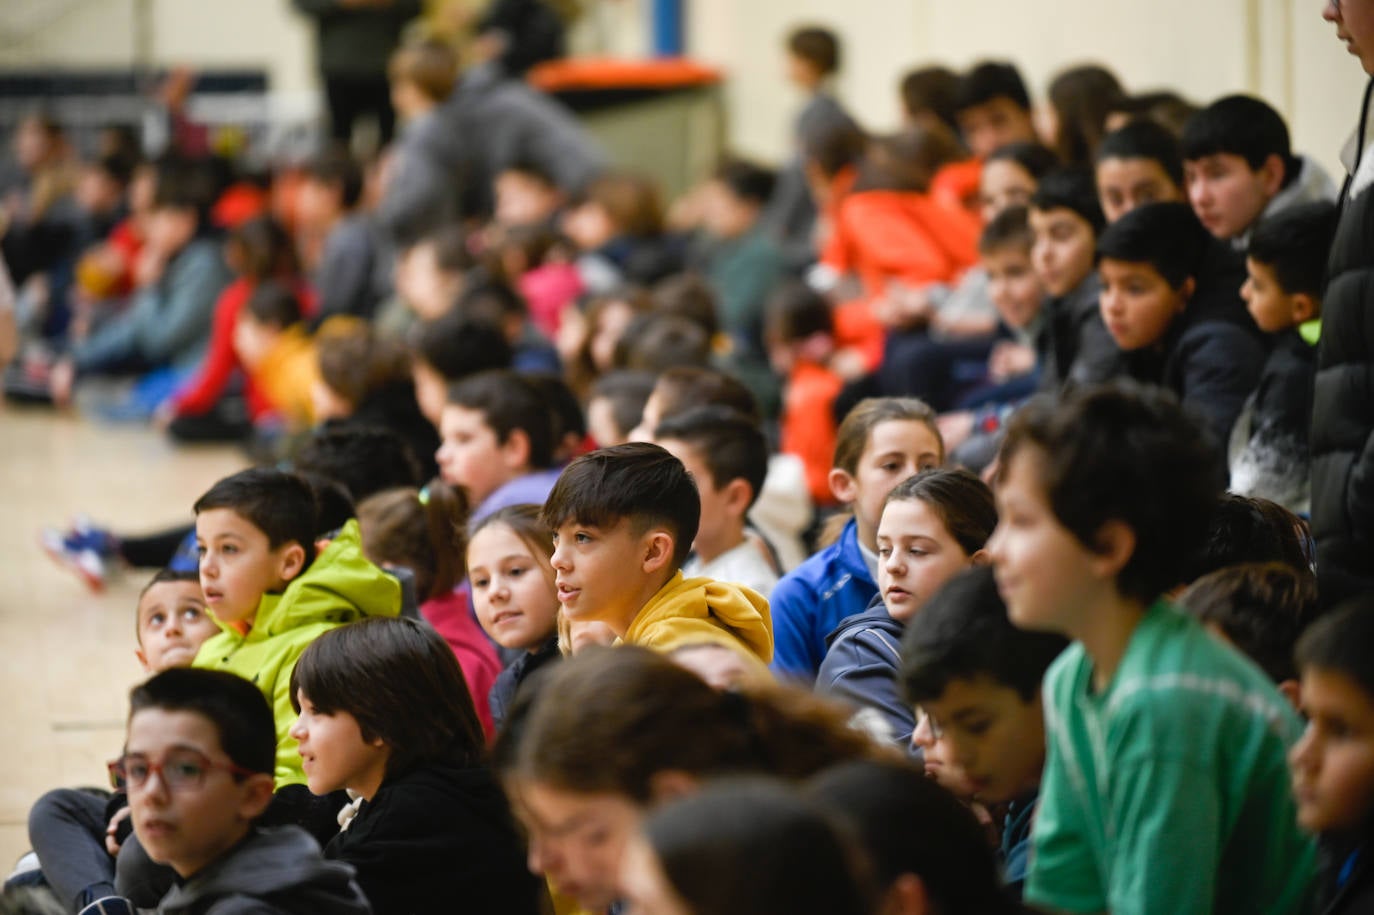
(1165, 787)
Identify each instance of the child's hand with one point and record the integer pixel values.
(112, 830)
(1009, 360)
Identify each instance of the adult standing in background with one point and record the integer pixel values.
(1342, 425)
(354, 40)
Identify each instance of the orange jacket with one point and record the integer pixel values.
(808, 424)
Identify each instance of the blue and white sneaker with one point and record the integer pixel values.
(85, 549)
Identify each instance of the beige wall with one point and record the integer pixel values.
(1204, 48)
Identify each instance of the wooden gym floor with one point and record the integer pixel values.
(66, 655)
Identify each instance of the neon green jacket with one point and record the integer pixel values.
(339, 587)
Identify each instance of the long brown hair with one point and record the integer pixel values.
(610, 719)
(423, 530)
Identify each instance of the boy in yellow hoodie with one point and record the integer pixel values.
(624, 519)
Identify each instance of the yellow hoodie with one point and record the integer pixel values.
(695, 611)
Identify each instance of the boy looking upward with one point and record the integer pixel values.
(1165, 779)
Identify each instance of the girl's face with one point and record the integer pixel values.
(896, 449)
(611, 323)
(916, 555)
(512, 589)
(1063, 249)
(589, 226)
(644, 886)
(577, 840)
(1004, 184)
(334, 753)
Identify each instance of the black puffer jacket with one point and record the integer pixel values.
(1343, 409)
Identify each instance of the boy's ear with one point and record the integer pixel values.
(906, 896)
(255, 795)
(142, 659)
(658, 547)
(1187, 289)
(1271, 174)
(844, 486)
(738, 495)
(1114, 545)
(1292, 691)
(980, 558)
(516, 449)
(291, 561)
(1304, 307)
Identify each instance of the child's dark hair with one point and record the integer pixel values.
(452, 253)
(1036, 160)
(355, 362)
(265, 249)
(402, 683)
(795, 311)
(569, 421)
(690, 296)
(631, 200)
(908, 160)
(833, 147)
(508, 401)
(658, 342)
(730, 444)
(282, 505)
(931, 89)
(234, 705)
(638, 482)
(1240, 125)
(627, 392)
(1124, 452)
(817, 46)
(361, 459)
(429, 64)
(422, 530)
(799, 859)
(1167, 236)
(491, 303)
(681, 389)
(1082, 97)
(609, 720)
(1008, 229)
(184, 184)
(1145, 139)
(333, 505)
(852, 437)
(1294, 243)
(1071, 188)
(525, 522)
(1342, 642)
(534, 171)
(963, 633)
(991, 80)
(748, 181)
(963, 503)
(1165, 107)
(163, 576)
(908, 824)
(274, 304)
(336, 168)
(455, 345)
(1262, 607)
(1249, 529)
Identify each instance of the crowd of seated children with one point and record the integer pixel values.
(933, 525)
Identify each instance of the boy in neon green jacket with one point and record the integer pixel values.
(271, 594)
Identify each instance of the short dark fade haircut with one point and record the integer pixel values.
(568, 418)
(163, 576)
(1262, 607)
(362, 459)
(1294, 243)
(336, 168)
(627, 391)
(282, 505)
(795, 311)
(690, 296)
(731, 445)
(748, 181)
(274, 303)
(931, 89)
(1240, 125)
(1249, 529)
(235, 706)
(1008, 229)
(658, 342)
(1145, 139)
(509, 401)
(1167, 236)
(817, 46)
(991, 80)
(683, 388)
(963, 633)
(636, 482)
(401, 681)
(1036, 159)
(1126, 452)
(1071, 188)
(455, 345)
(1342, 642)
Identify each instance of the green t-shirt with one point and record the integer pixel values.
(1169, 791)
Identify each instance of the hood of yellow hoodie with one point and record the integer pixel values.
(689, 611)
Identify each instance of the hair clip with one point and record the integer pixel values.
(423, 495)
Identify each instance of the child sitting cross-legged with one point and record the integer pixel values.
(727, 456)
(623, 521)
(384, 712)
(977, 678)
(514, 597)
(1165, 785)
(198, 761)
(933, 526)
(76, 833)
